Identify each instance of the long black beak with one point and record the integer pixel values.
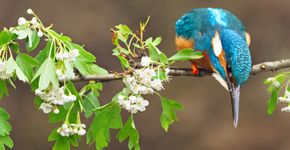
(235, 100)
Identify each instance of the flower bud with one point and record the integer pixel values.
(21, 21)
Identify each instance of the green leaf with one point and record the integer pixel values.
(272, 102)
(23, 33)
(153, 52)
(44, 53)
(90, 104)
(47, 74)
(6, 37)
(124, 29)
(129, 131)
(168, 115)
(32, 41)
(5, 141)
(26, 64)
(13, 66)
(124, 62)
(84, 56)
(5, 127)
(63, 143)
(186, 54)
(3, 89)
(107, 117)
(157, 41)
(97, 70)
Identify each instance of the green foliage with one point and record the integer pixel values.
(186, 54)
(5, 129)
(63, 143)
(106, 117)
(129, 131)
(168, 114)
(46, 74)
(26, 64)
(32, 41)
(275, 85)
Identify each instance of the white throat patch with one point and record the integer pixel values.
(221, 80)
(217, 44)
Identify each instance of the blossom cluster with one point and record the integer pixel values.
(67, 130)
(3, 70)
(34, 22)
(274, 82)
(285, 99)
(142, 81)
(68, 55)
(133, 104)
(64, 74)
(53, 97)
(65, 70)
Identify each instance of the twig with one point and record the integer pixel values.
(262, 67)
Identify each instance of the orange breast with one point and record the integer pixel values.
(182, 43)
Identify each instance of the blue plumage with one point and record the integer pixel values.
(223, 40)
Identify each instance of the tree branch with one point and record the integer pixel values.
(262, 67)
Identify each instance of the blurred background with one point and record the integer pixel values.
(205, 122)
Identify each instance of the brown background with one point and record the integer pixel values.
(206, 122)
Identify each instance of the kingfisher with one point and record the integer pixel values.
(224, 43)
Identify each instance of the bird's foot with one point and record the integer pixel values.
(194, 69)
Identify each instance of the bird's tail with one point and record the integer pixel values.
(235, 100)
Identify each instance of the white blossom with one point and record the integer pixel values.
(167, 70)
(276, 83)
(34, 21)
(56, 110)
(286, 109)
(3, 70)
(52, 97)
(39, 33)
(81, 132)
(68, 55)
(157, 84)
(21, 21)
(134, 104)
(63, 74)
(46, 108)
(67, 130)
(29, 11)
(145, 61)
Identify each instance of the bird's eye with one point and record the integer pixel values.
(200, 33)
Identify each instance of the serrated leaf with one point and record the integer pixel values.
(26, 64)
(168, 115)
(272, 102)
(157, 41)
(5, 127)
(6, 37)
(153, 52)
(3, 89)
(107, 117)
(46, 74)
(129, 131)
(124, 62)
(13, 66)
(186, 54)
(5, 141)
(90, 103)
(32, 41)
(84, 56)
(63, 143)
(22, 34)
(44, 53)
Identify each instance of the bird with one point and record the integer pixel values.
(224, 43)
